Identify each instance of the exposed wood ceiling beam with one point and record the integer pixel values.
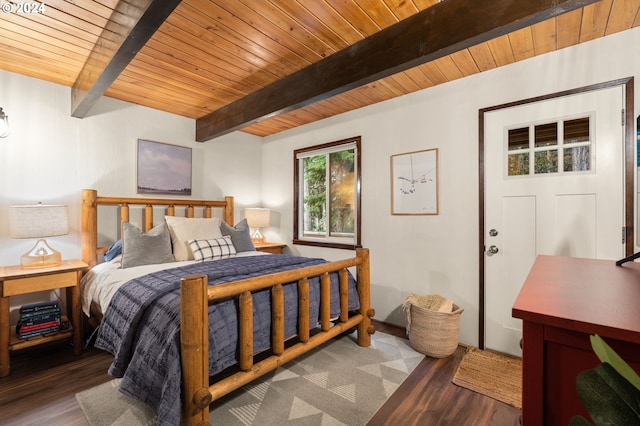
(131, 25)
(440, 30)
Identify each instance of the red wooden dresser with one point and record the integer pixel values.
(562, 302)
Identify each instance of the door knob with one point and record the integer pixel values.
(492, 250)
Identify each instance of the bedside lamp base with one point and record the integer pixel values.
(257, 237)
(41, 256)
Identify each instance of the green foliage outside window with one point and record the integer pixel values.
(315, 193)
(341, 192)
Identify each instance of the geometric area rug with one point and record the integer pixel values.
(339, 383)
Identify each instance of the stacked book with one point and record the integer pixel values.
(37, 319)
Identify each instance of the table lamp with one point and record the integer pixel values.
(257, 218)
(39, 221)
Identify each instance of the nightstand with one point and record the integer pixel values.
(15, 280)
(275, 248)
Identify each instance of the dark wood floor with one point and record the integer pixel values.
(43, 382)
(428, 397)
(41, 387)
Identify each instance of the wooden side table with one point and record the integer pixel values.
(15, 280)
(275, 248)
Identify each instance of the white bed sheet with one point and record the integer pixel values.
(103, 280)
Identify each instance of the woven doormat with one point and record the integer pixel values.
(492, 374)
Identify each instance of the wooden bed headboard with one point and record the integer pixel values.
(91, 201)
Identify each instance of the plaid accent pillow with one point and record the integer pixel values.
(218, 248)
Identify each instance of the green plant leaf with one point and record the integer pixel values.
(579, 421)
(608, 397)
(606, 354)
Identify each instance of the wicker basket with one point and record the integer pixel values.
(433, 333)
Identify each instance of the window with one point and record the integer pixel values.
(327, 194)
(559, 147)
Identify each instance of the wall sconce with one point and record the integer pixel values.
(39, 221)
(4, 124)
(257, 218)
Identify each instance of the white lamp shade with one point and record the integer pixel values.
(38, 221)
(257, 217)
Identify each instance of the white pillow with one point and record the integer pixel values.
(183, 229)
(215, 249)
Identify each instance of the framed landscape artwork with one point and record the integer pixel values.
(414, 183)
(163, 168)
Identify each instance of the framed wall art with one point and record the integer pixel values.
(163, 168)
(414, 183)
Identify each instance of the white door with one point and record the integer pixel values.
(554, 184)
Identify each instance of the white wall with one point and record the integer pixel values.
(434, 254)
(50, 156)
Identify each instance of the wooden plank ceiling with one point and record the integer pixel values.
(209, 53)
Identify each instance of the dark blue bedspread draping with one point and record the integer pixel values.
(141, 326)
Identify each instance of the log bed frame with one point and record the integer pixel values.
(195, 296)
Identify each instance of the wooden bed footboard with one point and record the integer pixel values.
(195, 298)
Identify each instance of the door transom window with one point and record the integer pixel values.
(558, 147)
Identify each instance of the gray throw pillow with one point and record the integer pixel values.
(139, 248)
(240, 235)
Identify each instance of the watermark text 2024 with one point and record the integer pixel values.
(23, 8)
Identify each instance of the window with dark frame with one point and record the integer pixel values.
(560, 147)
(327, 194)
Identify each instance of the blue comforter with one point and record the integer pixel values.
(141, 326)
